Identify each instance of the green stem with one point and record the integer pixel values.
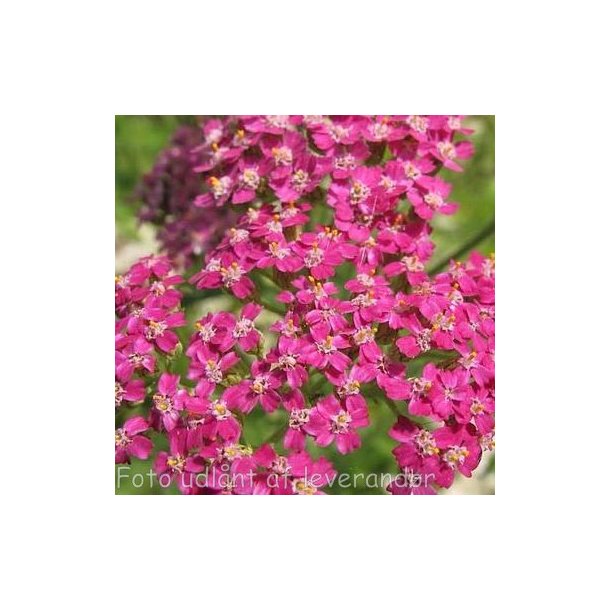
(191, 297)
(273, 307)
(275, 436)
(486, 231)
(393, 406)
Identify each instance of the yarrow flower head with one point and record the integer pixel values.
(315, 234)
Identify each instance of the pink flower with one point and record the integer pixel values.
(419, 341)
(261, 388)
(227, 272)
(219, 191)
(131, 390)
(449, 393)
(274, 124)
(309, 290)
(169, 401)
(295, 474)
(210, 418)
(432, 198)
(330, 422)
(361, 190)
(480, 406)
(410, 265)
(422, 390)
(309, 475)
(307, 171)
(279, 255)
(294, 438)
(347, 158)
(249, 180)
(286, 363)
(328, 134)
(478, 361)
(447, 152)
(133, 353)
(417, 452)
(320, 350)
(320, 261)
(283, 151)
(158, 328)
(459, 451)
(348, 386)
(214, 331)
(329, 317)
(389, 375)
(129, 441)
(244, 332)
(177, 465)
(210, 367)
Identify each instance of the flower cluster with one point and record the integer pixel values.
(166, 194)
(147, 305)
(331, 234)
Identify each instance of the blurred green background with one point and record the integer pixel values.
(138, 140)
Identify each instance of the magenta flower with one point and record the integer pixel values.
(319, 260)
(478, 405)
(448, 152)
(132, 354)
(432, 198)
(177, 465)
(126, 389)
(295, 435)
(329, 317)
(279, 255)
(330, 422)
(169, 401)
(419, 341)
(260, 388)
(422, 390)
(309, 290)
(328, 134)
(214, 331)
(417, 452)
(250, 176)
(459, 451)
(228, 273)
(244, 333)
(208, 419)
(287, 362)
(295, 474)
(449, 393)
(158, 328)
(348, 386)
(322, 351)
(283, 151)
(129, 441)
(306, 174)
(210, 367)
(389, 375)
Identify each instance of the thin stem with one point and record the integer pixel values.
(486, 231)
(194, 297)
(269, 277)
(272, 307)
(393, 406)
(275, 436)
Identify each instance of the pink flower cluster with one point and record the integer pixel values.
(331, 218)
(147, 307)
